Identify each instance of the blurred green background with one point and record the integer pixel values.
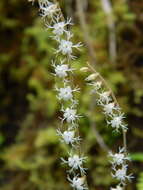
(30, 151)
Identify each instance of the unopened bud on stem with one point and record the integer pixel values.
(92, 77)
(84, 69)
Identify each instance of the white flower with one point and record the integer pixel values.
(118, 158)
(117, 188)
(66, 46)
(78, 183)
(104, 98)
(70, 115)
(59, 26)
(121, 174)
(75, 162)
(68, 137)
(66, 93)
(61, 69)
(117, 123)
(109, 108)
(49, 11)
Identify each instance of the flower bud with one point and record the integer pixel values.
(84, 69)
(92, 77)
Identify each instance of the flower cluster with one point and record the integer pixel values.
(114, 118)
(119, 165)
(119, 158)
(54, 21)
(110, 107)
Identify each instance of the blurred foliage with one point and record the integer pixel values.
(30, 150)
(137, 156)
(140, 182)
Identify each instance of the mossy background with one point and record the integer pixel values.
(29, 111)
